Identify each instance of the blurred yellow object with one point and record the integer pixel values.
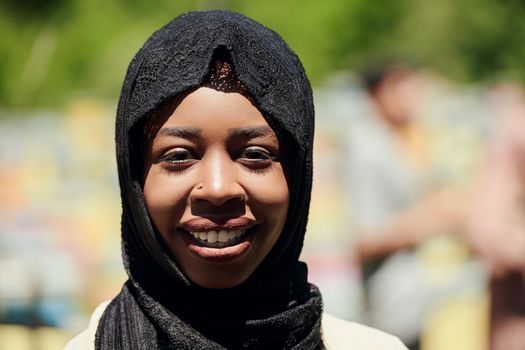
(25, 338)
(460, 322)
(416, 140)
(441, 257)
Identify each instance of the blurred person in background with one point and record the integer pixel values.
(497, 224)
(392, 209)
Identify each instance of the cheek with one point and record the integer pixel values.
(270, 197)
(165, 200)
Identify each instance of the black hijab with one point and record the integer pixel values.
(159, 307)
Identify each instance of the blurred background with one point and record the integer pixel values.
(416, 225)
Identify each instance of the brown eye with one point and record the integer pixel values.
(255, 154)
(179, 156)
(255, 157)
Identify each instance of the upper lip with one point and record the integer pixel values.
(203, 224)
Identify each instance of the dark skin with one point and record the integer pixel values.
(216, 192)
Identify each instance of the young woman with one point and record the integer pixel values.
(214, 147)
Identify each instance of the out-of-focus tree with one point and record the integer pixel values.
(53, 50)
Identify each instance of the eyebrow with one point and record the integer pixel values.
(194, 133)
(182, 132)
(252, 131)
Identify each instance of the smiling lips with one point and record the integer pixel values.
(219, 243)
(219, 239)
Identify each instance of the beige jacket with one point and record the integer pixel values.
(337, 334)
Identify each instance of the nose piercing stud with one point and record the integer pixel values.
(199, 187)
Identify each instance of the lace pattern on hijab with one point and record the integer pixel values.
(159, 307)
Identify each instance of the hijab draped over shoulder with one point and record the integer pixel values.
(159, 307)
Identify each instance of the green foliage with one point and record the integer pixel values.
(52, 51)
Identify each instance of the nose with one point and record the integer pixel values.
(218, 182)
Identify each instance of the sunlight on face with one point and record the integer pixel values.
(215, 188)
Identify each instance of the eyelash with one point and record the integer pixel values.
(258, 165)
(255, 150)
(253, 157)
(171, 157)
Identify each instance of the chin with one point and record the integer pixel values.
(222, 280)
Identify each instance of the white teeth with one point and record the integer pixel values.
(221, 236)
(212, 236)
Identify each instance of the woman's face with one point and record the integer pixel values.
(214, 187)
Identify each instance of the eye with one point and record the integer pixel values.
(255, 156)
(178, 157)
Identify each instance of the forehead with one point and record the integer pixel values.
(206, 108)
